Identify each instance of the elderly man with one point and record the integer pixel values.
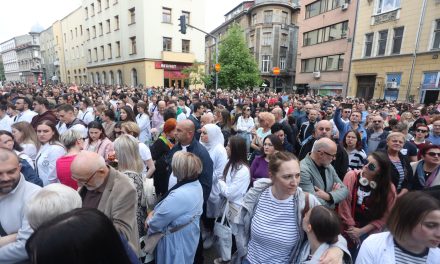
(157, 119)
(109, 191)
(323, 129)
(318, 175)
(207, 118)
(15, 192)
(185, 135)
(67, 117)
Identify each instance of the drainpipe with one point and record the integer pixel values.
(419, 29)
(352, 47)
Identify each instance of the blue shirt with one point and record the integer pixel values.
(434, 139)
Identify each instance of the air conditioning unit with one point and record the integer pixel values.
(316, 75)
(344, 7)
(391, 85)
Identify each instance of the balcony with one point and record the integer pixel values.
(385, 17)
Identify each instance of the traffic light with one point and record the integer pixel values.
(182, 29)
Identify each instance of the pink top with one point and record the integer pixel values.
(63, 171)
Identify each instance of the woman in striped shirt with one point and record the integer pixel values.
(353, 145)
(270, 229)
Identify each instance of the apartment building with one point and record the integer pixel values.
(271, 31)
(396, 52)
(325, 41)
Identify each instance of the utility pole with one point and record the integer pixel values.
(183, 26)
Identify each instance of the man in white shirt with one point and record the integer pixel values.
(67, 117)
(86, 111)
(22, 105)
(5, 120)
(15, 191)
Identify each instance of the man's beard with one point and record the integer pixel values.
(6, 190)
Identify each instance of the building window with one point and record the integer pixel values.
(166, 15)
(94, 31)
(268, 16)
(327, 63)
(133, 45)
(89, 52)
(92, 9)
(284, 17)
(102, 52)
(436, 35)
(86, 11)
(132, 15)
(265, 63)
(368, 44)
(167, 44)
(107, 22)
(282, 62)
(185, 46)
(99, 5)
(88, 34)
(267, 39)
(101, 31)
(71, 34)
(251, 40)
(284, 40)
(186, 14)
(81, 29)
(382, 42)
(118, 49)
(384, 6)
(254, 20)
(329, 33)
(107, 4)
(322, 6)
(109, 48)
(96, 54)
(397, 40)
(116, 22)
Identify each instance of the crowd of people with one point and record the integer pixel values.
(109, 174)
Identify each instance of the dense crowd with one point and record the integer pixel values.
(106, 174)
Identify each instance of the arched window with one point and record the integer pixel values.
(104, 78)
(111, 80)
(119, 78)
(134, 78)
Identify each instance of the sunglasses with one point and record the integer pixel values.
(421, 130)
(370, 166)
(433, 154)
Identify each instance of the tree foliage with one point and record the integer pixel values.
(196, 75)
(238, 67)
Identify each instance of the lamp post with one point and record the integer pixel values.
(276, 72)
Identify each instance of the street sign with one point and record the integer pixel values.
(276, 70)
(217, 67)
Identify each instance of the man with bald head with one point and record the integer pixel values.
(186, 141)
(207, 118)
(109, 191)
(15, 192)
(318, 175)
(324, 129)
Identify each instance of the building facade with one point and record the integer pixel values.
(396, 56)
(49, 56)
(271, 31)
(10, 61)
(138, 42)
(325, 40)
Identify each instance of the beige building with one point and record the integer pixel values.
(325, 40)
(138, 42)
(271, 32)
(73, 70)
(396, 52)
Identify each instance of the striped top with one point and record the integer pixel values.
(401, 171)
(402, 256)
(274, 230)
(356, 159)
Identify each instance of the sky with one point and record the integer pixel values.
(18, 16)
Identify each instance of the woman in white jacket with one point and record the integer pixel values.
(414, 233)
(51, 149)
(212, 139)
(143, 121)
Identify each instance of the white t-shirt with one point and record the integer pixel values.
(145, 153)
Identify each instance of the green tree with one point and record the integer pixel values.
(238, 67)
(2, 72)
(196, 75)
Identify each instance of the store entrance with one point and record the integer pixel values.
(431, 96)
(172, 82)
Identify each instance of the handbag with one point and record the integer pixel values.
(223, 236)
(151, 241)
(149, 193)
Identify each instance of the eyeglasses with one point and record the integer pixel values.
(370, 166)
(325, 152)
(87, 180)
(433, 154)
(421, 130)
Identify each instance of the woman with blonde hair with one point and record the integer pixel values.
(25, 135)
(131, 128)
(265, 120)
(180, 208)
(130, 163)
